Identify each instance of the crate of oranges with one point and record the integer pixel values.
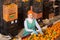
(51, 33)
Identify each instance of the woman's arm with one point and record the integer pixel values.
(38, 26)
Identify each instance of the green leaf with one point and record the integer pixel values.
(54, 33)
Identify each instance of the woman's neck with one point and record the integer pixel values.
(30, 20)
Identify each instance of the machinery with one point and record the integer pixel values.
(57, 9)
(45, 9)
(37, 8)
(25, 7)
(8, 18)
(48, 9)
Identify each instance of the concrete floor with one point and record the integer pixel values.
(3, 37)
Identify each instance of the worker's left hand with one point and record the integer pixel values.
(35, 32)
(40, 32)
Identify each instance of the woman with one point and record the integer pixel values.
(30, 25)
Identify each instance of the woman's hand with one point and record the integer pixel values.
(40, 32)
(35, 32)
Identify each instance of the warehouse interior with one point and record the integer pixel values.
(14, 12)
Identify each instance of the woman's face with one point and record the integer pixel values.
(30, 16)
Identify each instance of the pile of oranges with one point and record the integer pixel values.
(50, 33)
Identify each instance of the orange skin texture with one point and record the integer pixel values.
(51, 32)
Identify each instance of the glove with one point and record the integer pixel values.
(35, 32)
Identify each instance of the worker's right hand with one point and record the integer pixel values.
(35, 32)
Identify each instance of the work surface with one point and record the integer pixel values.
(2, 37)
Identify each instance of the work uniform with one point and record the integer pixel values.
(30, 25)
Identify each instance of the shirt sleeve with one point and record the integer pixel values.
(26, 27)
(38, 26)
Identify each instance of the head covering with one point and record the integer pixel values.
(30, 12)
(31, 8)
